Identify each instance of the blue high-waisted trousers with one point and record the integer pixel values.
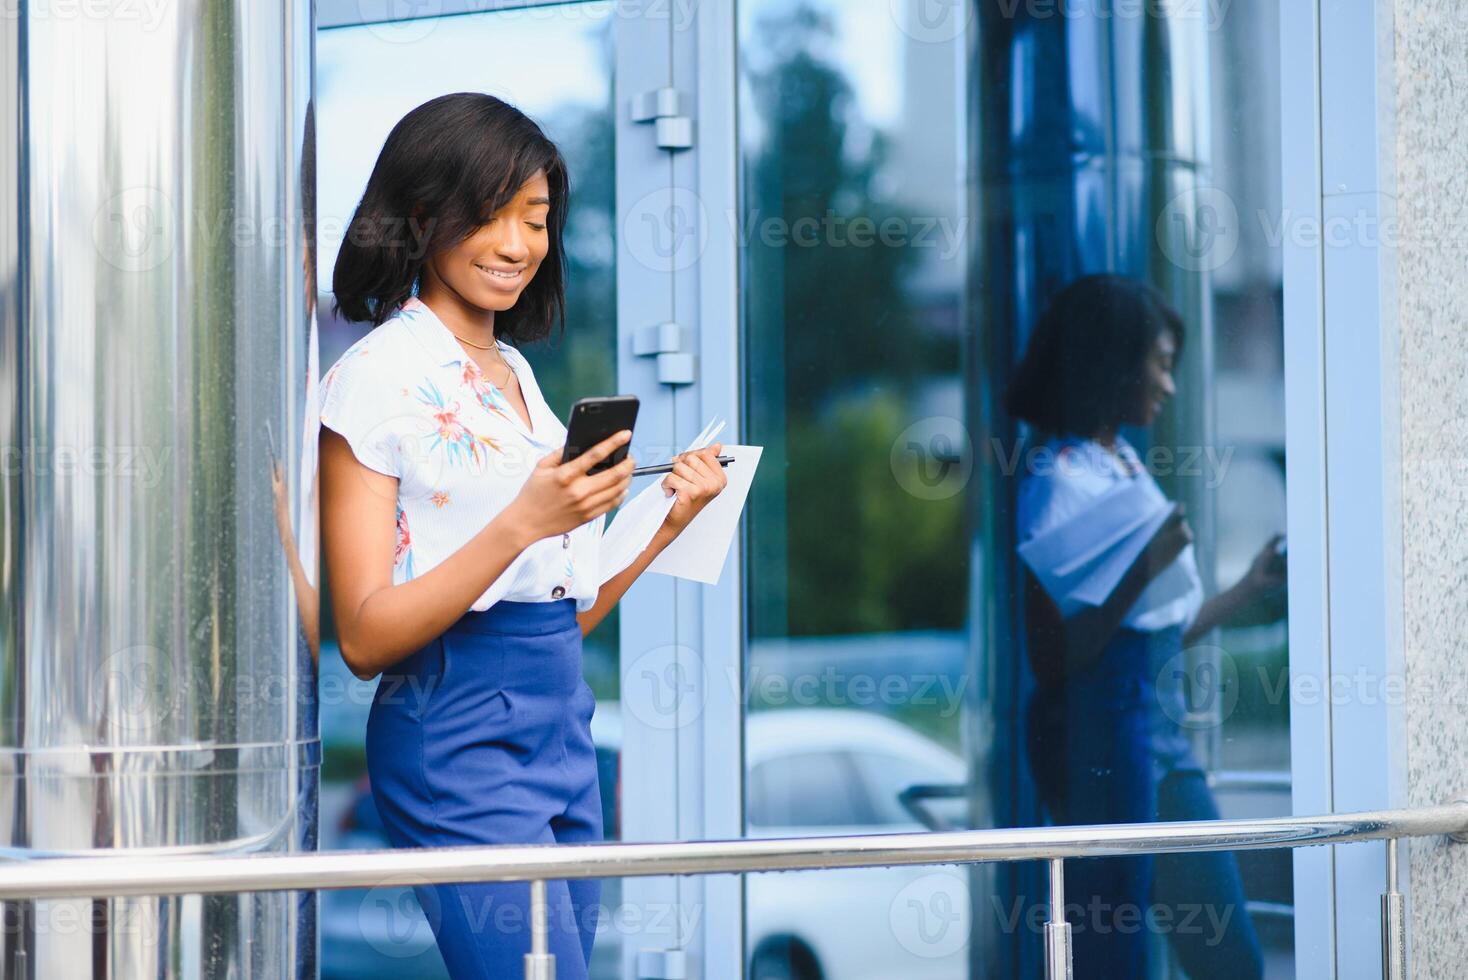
(1103, 750)
(482, 737)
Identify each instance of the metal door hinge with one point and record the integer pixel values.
(668, 342)
(662, 964)
(667, 110)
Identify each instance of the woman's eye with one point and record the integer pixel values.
(536, 226)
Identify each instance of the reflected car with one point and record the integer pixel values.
(811, 771)
(830, 771)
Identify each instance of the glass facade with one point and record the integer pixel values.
(914, 195)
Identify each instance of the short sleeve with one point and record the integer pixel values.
(1047, 500)
(355, 404)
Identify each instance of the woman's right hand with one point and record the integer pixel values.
(1167, 543)
(559, 496)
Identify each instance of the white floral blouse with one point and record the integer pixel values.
(413, 405)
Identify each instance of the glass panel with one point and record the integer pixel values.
(995, 156)
(555, 63)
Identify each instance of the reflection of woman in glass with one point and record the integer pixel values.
(1105, 740)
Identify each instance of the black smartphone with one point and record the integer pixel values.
(595, 419)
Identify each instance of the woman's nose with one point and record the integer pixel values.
(512, 245)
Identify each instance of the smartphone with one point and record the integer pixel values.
(595, 419)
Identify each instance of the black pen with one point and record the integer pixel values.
(668, 467)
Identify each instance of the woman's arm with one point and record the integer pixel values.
(308, 600)
(1062, 645)
(379, 623)
(1265, 577)
(697, 478)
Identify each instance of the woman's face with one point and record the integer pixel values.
(1157, 384)
(492, 267)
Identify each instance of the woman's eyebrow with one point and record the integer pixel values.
(539, 200)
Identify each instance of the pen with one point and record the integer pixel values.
(668, 467)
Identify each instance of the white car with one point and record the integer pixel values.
(823, 771)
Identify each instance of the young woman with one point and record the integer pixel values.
(1105, 741)
(462, 551)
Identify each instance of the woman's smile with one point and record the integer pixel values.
(503, 279)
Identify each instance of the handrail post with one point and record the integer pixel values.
(1057, 930)
(540, 963)
(1393, 921)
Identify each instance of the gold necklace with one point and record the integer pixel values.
(508, 370)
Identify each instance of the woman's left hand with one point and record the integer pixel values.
(697, 478)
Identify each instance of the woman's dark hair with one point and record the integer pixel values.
(445, 169)
(1083, 367)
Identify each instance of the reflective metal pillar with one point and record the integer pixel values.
(154, 692)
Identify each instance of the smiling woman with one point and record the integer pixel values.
(462, 551)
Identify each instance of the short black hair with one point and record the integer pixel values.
(444, 170)
(1084, 362)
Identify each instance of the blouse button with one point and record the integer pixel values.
(558, 592)
(565, 541)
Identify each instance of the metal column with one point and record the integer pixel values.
(154, 693)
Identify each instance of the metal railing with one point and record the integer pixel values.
(119, 875)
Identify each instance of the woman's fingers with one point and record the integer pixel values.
(711, 474)
(677, 483)
(621, 473)
(604, 500)
(597, 453)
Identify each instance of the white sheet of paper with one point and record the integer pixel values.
(633, 526)
(1081, 561)
(700, 551)
(1078, 559)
